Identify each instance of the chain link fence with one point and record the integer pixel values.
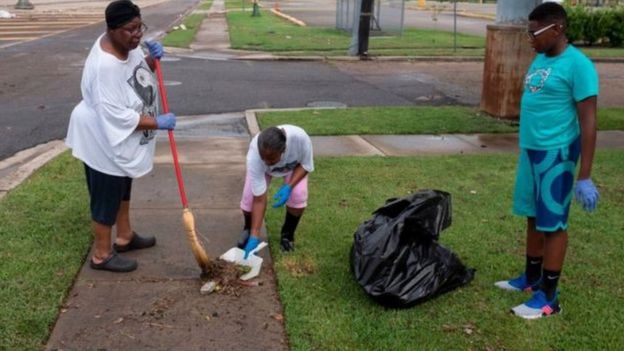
(387, 16)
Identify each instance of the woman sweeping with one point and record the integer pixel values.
(112, 131)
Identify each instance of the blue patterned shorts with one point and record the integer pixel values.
(544, 182)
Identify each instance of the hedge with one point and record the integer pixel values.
(591, 26)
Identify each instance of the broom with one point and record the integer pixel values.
(187, 216)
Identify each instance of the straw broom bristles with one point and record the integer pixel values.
(198, 250)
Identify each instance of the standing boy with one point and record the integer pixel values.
(557, 125)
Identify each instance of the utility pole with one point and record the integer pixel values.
(256, 9)
(508, 55)
(364, 27)
(24, 5)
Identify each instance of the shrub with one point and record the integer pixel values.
(576, 20)
(614, 23)
(593, 25)
(594, 28)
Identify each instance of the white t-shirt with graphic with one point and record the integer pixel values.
(102, 128)
(298, 151)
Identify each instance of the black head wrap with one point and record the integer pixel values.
(121, 12)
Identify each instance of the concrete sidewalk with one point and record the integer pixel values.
(159, 306)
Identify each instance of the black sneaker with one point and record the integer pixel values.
(115, 263)
(136, 243)
(242, 240)
(287, 245)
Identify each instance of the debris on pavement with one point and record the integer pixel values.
(225, 276)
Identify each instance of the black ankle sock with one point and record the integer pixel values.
(290, 225)
(549, 283)
(247, 217)
(533, 268)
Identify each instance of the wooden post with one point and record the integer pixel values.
(507, 58)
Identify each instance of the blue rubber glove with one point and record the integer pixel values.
(166, 121)
(282, 195)
(155, 48)
(252, 243)
(587, 194)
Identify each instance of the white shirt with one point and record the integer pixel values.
(298, 151)
(102, 128)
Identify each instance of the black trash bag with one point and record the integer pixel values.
(396, 257)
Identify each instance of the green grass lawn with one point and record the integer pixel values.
(183, 38)
(611, 118)
(325, 309)
(408, 120)
(601, 52)
(239, 5)
(45, 235)
(271, 33)
(205, 5)
(45, 238)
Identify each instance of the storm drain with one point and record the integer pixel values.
(201, 126)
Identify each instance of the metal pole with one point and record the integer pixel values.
(402, 17)
(347, 15)
(338, 14)
(364, 28)
(24, 5)
(355, 23)
(256, 10)
(455, 26)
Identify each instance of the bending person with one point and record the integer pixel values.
(283, 151)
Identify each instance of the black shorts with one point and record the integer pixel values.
(106, 193)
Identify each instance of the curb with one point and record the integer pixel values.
(252, 122)
(263, 56)
(476, 15)
(252, 118)
(290, 18)
(269, 57)
(26, 162)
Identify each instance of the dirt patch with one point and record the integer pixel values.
(299, 266)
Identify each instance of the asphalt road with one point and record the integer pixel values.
(227, 86)
(41, 80)
(41, 83)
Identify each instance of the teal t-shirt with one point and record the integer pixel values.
(552, 87)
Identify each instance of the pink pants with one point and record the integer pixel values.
(298, 197)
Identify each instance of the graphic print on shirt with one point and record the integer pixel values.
(285, 168)
(534, 81)
(144, 85)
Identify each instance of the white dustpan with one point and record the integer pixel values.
(236, 255)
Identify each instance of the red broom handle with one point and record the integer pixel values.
(172, 143)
